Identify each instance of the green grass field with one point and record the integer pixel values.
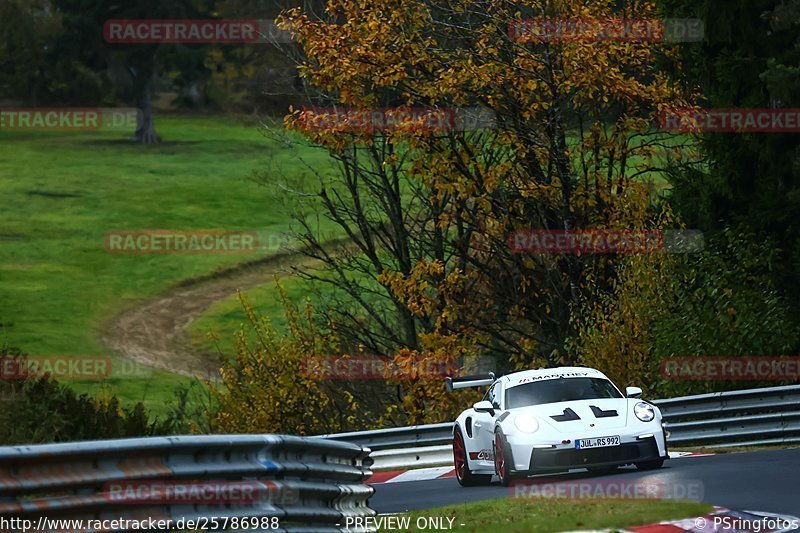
(63, 191)
(225, 318)
(552, 515)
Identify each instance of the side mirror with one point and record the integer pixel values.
(484, 407)
(633, 392)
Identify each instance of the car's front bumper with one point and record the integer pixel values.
(542, 460)
(531, 459)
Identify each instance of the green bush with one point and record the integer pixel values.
(41, 410)
(721, 302)
(725, 305)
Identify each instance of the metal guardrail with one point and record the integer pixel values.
(305, 484)
(301, 484)
(721, 419)
(768, 415)
(425, 456)
(393, 438)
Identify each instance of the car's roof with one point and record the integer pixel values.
(528, 376)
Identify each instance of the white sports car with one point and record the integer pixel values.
(553, 420)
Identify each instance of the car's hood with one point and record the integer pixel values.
(579, 415)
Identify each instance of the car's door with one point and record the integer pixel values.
(484, 422)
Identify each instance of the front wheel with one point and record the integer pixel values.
(464, 476)
(502, 459)
(650, 465)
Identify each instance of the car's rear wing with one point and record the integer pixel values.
(468, 381)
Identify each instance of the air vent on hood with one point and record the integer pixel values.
(568, 415)
(599, 413)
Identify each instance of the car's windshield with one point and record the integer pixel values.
(559, 390)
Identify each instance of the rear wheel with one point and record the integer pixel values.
(502, 459)
(650, 465)
(463, 474)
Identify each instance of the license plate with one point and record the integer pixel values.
(597, 442)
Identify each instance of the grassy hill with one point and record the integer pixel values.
(62, 191)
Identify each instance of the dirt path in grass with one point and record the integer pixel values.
(153, 333)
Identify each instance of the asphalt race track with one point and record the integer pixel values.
(757, 481)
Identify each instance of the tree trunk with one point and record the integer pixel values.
(145, 125)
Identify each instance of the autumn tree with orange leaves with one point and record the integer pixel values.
(571, 145)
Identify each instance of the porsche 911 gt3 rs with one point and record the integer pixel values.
(553, 420)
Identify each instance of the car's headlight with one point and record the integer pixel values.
(526, 423)
(644, 411)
